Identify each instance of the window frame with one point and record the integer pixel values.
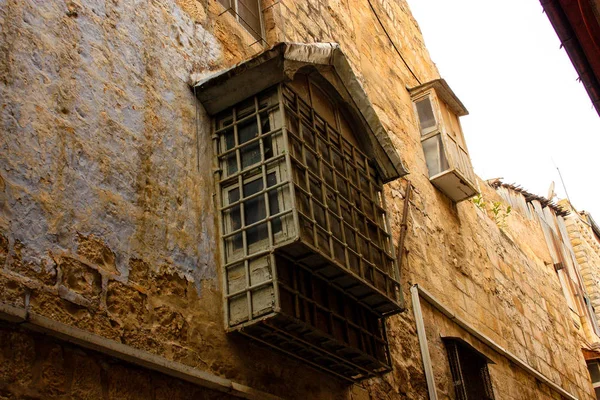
(234, 10)
(434, 109)
(283, 197)
(372, 261)
(454, 150)
(385, 247)
(457, 350)
(595, 384)
(436, 130)
(258, 170)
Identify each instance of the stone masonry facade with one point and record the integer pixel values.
(587, 251)
(108, 221)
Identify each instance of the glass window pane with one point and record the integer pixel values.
(426, 116)
(245, 108)
(248, 11)
(434, 155)
(594, 372)
(274, 202)
(224, 118)
(250, 154)
(235, 220)
(254, 211)
(226, 3)
(229, 163)
(247, 131)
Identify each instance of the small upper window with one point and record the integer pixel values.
(426, 116)
(469, 368)
(248, 13)
(446, 154)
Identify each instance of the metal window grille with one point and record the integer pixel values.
(341, 209)
(470, 373)
(307, 255)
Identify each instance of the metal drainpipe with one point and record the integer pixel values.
(403, 228)
(416, 303)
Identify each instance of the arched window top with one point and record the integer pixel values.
(321, 96)
(336, 84)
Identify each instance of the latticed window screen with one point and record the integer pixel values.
(338, 193)
(248, 13)
(291, 169)
(255, 195)
(306, 245)
(470, 374)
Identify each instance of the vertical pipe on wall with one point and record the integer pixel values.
(403, 229)
(416, 304)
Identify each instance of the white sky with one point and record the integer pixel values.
(528, 113)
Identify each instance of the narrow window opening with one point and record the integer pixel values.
(469, 369)
(594, 369)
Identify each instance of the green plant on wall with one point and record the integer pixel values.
(479, 202)
(499, 212)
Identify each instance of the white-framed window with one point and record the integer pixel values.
(446, 155)
(427, 119)
(248, 13)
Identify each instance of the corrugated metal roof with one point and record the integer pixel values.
(496, 183)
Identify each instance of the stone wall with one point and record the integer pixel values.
(508, 290)
(34, 366)
(107, 216)
(587, 251)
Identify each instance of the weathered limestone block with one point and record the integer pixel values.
(125, 305)
(52, 374)
(3, 249)
(12, 292)
(80, 278)
(169, 324)
(129, 384)
(44, 270)
(86, 379)
(170, 286)
(96, 252)
(143, 339)
(17, 356)
(138, 272)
